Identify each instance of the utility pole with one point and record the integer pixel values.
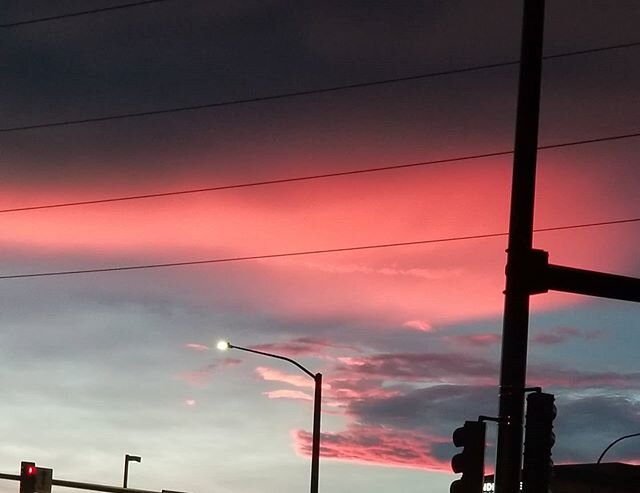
(516, 308)
(528, 270)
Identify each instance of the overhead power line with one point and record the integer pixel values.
(304, 252)
(313, 177)
(273, 97)
(80, 13)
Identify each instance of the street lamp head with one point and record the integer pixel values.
(134, 458)
(223, 345)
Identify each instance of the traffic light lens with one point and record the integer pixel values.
(32, 470)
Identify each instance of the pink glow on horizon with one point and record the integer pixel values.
(410, 287)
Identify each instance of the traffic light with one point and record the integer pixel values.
(28, 477)
(538, 440)
(470, 461)
(35, 479)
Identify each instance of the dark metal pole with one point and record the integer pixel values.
(315, 444)
(516, 308)
(580, 281)
(126, 471)
(128, 458)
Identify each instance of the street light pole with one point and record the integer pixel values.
(315, 443)
(128, 458)
(317, 401)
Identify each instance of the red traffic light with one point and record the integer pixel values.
(32, 470)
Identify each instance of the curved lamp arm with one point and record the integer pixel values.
(613, 443)
(277, 356)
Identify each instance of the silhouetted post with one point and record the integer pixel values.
(125, 479)
(315, 444)
(516, 308)
(128, 458)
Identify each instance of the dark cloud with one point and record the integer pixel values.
(563, 334)
(433, 367)
(186, 53)
(304, 346)
(586, 425)
(559, 377)
(435, 409)
(463, 368)
(433, 412)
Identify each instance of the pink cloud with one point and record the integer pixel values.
(376, 446)
(420, 325)
(197, 347)
(288, 394)
(273, 375)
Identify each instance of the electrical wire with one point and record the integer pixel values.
(257, 99)
(80, 13)
(304, 252)
(313, 177)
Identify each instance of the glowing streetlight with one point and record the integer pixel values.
(317, 400)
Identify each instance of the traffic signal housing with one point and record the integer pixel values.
(470, 461)
(35, 479)
(28, 477)
(539, 438)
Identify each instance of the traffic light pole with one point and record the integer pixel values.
(516, 308)
(528, 271)
(602, 284)
(88, 486)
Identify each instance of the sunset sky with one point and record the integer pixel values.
(97, 365)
